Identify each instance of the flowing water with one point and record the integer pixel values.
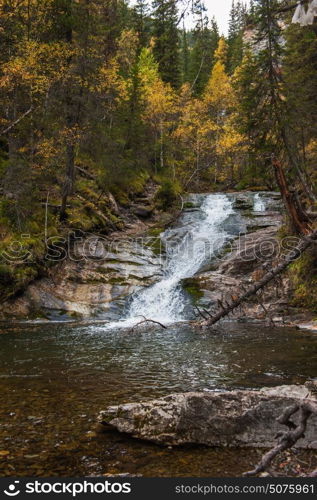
(259, 204)
(54, 379)
(164, 301)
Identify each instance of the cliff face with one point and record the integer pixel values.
(94, 283)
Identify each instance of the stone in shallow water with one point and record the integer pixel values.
(232, 419)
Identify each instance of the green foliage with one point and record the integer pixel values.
(166, 48)
(303, 274)
(237, 23)
(204, 42)
(168, 193)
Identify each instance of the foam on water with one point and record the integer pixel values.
(165, 301)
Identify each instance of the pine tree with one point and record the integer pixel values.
(205, 41)
(265, 105)
(166, 35)
(185, 56)
(300, 74)
(237, 23)
(141, 22)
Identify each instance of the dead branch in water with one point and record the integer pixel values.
(288, 439)
(305, 243)
(147, 320)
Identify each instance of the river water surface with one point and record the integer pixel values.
(54, 380)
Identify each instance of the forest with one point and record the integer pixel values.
(158, 227)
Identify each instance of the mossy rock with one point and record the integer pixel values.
(192, 287)
(303, 274)
(189, 204)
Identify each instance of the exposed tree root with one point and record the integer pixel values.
(289, 438)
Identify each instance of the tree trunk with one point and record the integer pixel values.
(68, 187)
(161, 146)
(69, 181)
(299, 219)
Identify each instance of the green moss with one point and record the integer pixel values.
(117, 281)
(155, 245)
(74, 314)
(192, 287)
(168, 193)
(303, 275)
(155, 231)
(189, 204)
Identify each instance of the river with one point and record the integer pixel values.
(55, 378)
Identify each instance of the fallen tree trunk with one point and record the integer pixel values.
(305, 243)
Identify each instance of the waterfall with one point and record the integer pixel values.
(259, 205)
(165, 301)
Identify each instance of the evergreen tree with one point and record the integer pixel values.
(262, 96)
(166, 48)
(204, 44)
(237, 23)
(185, 56)
(141, 22)
(300, 73)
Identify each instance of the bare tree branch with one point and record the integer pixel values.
(147, 320)
(6, 130)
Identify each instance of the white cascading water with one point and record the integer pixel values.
(164, 301)
(259, 205)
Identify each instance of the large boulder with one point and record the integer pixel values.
(233, 419)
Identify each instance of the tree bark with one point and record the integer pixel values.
(299, 218)
(68, 187)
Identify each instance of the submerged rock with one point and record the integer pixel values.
(232, 419)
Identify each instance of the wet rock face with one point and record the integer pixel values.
(245, 261)
(232, 419)
(95, 281)
(243, 202)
